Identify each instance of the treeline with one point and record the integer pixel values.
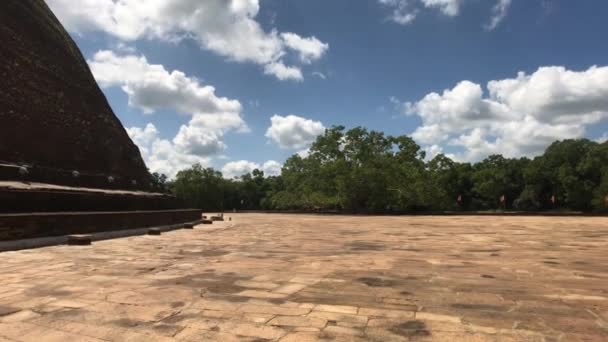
(367, 171)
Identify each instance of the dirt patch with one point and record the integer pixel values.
(410, 329)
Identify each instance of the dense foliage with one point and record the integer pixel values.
(367, 171)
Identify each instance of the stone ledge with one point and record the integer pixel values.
(40, 225)
(16, 245)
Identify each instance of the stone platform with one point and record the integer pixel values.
(43, 225)
(20, 197)
(306, 278)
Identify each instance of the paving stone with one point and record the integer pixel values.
(24, 315)
(337, 308)
(392, 278)
(307, 329)
(290, 288)
(254, 330)
(275, 310)
(341, 319)
(218, 305)
(257, 284)
(261, 294)
(386, 313)
(337, 330)
(7, 310)
(435, 317)
(301, 337)
(298, 321)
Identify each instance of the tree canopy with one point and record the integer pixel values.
(359, 170)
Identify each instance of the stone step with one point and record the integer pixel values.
(79, 240)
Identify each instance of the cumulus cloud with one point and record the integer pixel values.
(283, 72)
(161, 155)
(404, 12)
(238, 168)
(293, 131)
(272, 168)
(151, 88)
(520, 116)
(226, 27)
(309, 49)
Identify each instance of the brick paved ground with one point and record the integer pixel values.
(305, 278)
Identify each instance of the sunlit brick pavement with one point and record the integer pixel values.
(307, 278)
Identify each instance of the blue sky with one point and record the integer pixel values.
(434, 69)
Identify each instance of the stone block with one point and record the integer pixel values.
(154, 231)
(79, 240)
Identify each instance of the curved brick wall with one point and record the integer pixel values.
(53, 116)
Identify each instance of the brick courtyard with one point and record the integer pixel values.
(305, 278)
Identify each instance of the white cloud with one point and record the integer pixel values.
(319, 75)
(238, 168)
(143, 136)
(151, 87)
(303, 153)
(197, 140)
(447, 7)
(293, 131)
(406, 11)
(283, 72)
(272, 168)
(403, 12)
(499, 12)
(309, 49)
(161, 155)
(226, 27)
(521, 116)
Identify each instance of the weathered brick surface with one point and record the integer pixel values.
(358, 279)
(25, 226)
(53, 116)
